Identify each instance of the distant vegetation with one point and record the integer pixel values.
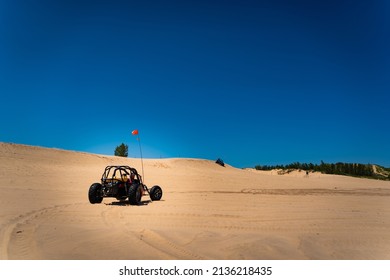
(122, 150)
(340, 168)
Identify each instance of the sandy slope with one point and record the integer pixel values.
(207, 211)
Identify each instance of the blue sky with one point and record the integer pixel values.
(252, 82)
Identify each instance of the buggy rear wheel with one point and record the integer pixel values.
(135, 194)
(155, 193)
(94, 193)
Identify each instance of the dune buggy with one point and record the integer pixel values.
(122, 182)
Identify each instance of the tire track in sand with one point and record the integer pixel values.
(19, 228)
(146, 237)
(159, 243)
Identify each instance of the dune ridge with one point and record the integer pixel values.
(207, 211)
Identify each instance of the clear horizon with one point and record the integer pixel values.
(250, 82)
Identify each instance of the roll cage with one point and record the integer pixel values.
(121, 173)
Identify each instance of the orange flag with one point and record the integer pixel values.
(135, 132)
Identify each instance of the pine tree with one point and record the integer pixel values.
(122, 150)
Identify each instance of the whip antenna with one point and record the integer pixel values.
(135, 132)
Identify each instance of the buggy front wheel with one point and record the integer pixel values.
(155, 193)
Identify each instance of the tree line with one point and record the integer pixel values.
(339, 168)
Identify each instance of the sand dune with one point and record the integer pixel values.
(207, 211)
